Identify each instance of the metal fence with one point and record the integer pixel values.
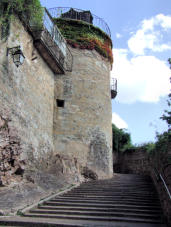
(53, 39)
(113, 84)
(54, 32)
(113, 87)
(97, 21)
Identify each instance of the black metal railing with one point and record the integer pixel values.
(159, 177)
(49, 33)
(78, 14)
(113, 86)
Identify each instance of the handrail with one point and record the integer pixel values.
(168, 192)
(163, 181)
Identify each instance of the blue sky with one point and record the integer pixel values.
(141, 32)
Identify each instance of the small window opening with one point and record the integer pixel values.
(60, 103)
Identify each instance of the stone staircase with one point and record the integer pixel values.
(125, 200)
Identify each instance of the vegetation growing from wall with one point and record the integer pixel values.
(82, 35)
(30, 9)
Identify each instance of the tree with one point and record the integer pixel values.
(121, 139)
(167, 113)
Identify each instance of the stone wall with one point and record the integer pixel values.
(29, 167)
(82, 129)
(27, 95)
(135, 162)
(139, 162)
(163, 194)
(11, 166)
(57, 140)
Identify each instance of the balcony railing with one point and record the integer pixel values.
(78, 14)
(51, 44)
(113, 87)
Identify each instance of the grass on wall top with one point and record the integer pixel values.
(82, 35)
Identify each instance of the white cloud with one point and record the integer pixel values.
(118, 121)
(165, 21)
(140, 41)
(144, 77)
(149, 35)
(118, 35)
(140, 78)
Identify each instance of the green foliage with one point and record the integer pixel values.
(20, 213)
(162, 142)
(82, 35)
(160, 154)
(158, 151)
(148, 147)
(169, 60)
(121, 139)
(167, 113)
(30, 9)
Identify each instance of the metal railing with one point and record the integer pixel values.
(96, 21)
(53, 39)
(114, 84)
(113, 87)
(159, 177)
(54, 32)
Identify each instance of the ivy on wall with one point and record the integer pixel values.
(30, 9)
(82, 35)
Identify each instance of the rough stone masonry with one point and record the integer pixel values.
(82, 128)
(42, 136)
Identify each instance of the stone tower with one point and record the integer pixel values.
(55, 106)
(82, 111)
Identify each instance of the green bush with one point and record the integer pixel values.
(82, 35)
(29, 8)
(121, 140)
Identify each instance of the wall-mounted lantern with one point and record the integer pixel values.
(17, 55)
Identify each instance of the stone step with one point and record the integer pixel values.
(116, 209)
(101, 197)
(117, 184)
(97, 213)
(128, 199)
(94, 218)
(113, 194)
(106, 201)
(110, 195)
(107, 205)
(113, 191)
(51, 222)
(132, 185)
